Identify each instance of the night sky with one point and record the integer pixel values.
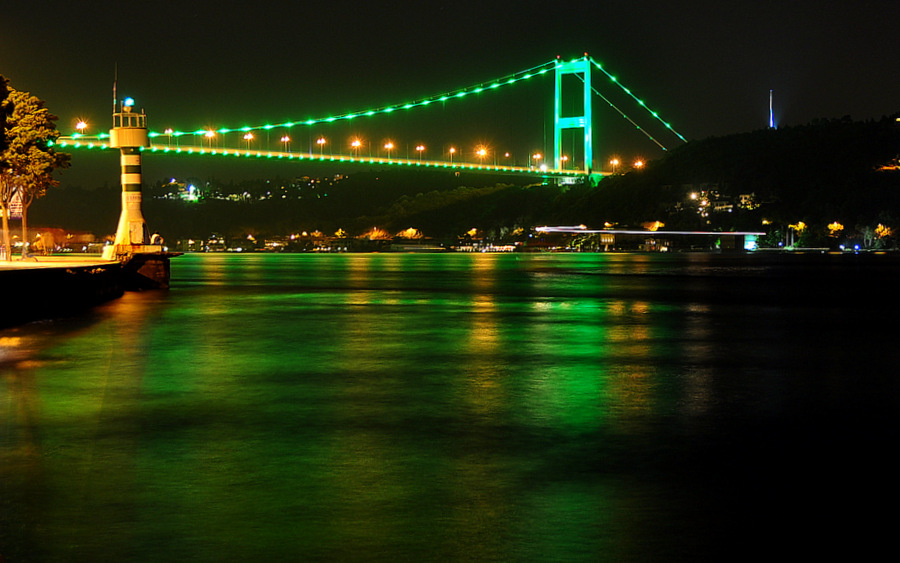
(706, 67)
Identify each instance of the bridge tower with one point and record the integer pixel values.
(581, 68)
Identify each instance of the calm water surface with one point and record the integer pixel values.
(565, 407)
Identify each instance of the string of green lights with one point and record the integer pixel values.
(622, 113)
(421, 102)
(460, 93)
(638, 100)
(82, 143)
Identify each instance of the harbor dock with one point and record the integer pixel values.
(53, 286)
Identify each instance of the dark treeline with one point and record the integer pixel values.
(823, 172)
(439, 203)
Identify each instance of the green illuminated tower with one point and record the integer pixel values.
(581, 67)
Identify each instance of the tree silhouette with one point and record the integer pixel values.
(28, 160)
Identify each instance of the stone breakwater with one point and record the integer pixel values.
(53, 287)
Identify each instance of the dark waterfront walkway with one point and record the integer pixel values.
(51, 286)
(73, 261)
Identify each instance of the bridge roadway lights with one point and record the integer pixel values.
(75, 143)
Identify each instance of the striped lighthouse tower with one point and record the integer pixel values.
(129, 135)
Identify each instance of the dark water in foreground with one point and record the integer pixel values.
(566, 407)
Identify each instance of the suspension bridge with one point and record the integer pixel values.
(580, 93)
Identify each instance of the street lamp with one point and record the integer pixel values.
(209, 135)
(168, 133)
(356, 144)
(321, 142)
(563, 160)
(481, 152)
(81, 126)
(248, 137)
(638, 164)
(536, 157)
(615, 164)
(419, 149)
(452, 152)
(286, 142)
(389, 146)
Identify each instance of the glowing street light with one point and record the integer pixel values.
(168, 133)
(638, 164)
(321, 142)
(419, 149)
(795, 231)
(286, 143)
(81, 126)
(481, 152)
(209, 135)
(536, 157)
(389, 146)
(834, 229)
(356, 144)
(248, 137)
(615, 164)
(563, 160)
(452, 151)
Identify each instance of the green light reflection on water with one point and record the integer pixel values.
(333, 405)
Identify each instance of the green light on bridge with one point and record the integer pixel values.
(638, 100)
(459, 93)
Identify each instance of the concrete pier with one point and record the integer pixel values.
(51, 286)
(147, 270)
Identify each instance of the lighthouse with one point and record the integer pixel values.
(145, 262)
(129, 135)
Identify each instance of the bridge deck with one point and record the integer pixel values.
(86, 142)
